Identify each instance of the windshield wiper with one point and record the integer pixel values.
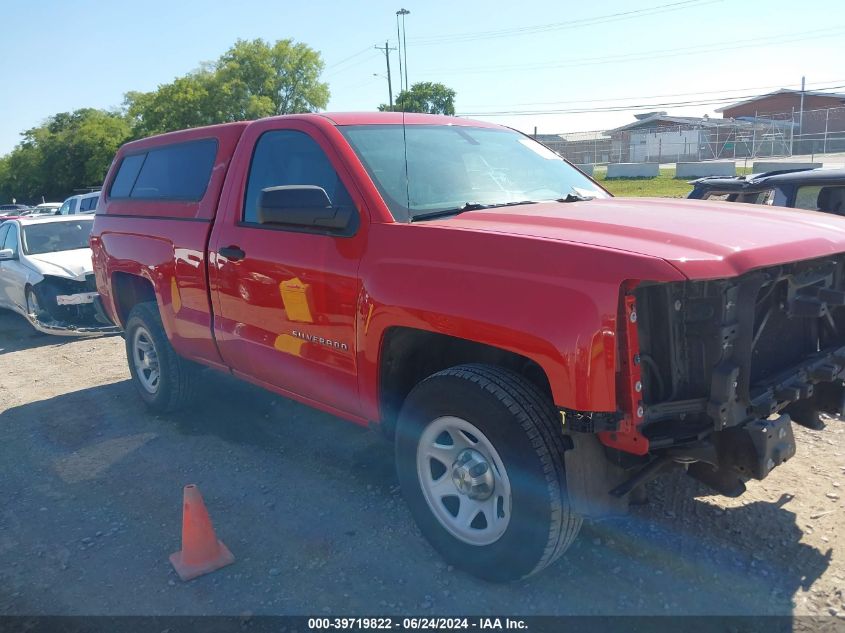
(574, 197)
(467, 206)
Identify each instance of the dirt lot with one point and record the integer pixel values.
(90, 496)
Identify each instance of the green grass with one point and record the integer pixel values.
(664, 186)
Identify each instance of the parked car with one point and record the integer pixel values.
(813, 189)
(537, 348)
(82, 203)
(45, 208)
(46, 274)
(11, 211)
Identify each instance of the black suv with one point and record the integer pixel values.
(813, 189)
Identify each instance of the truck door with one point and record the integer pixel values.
(285, 297)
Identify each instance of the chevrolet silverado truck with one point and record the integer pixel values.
(537, 349)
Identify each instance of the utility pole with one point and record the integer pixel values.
(386, 50)
(801, 112)
(403, 45)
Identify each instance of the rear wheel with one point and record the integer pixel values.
(164, 380)
(479, 454)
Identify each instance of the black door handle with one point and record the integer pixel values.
(234, 253)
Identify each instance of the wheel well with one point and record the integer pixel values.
(409, 355)
(128, 291)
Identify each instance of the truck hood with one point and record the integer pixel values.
(73, 264)
(702, 239)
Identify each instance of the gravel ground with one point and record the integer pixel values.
(90, 502)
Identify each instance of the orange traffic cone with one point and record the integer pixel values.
(201, 552)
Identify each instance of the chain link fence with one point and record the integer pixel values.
(813, 133)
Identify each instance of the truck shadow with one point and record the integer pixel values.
(701, 558)
(680, 555)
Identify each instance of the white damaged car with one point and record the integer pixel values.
(46, 275)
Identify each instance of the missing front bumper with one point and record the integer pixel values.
(751, 451)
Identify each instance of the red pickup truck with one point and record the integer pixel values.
(537, 348)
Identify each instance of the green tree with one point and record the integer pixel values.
(425, 96)
(253, 79)
(69, 151)
(185, 102)
(258, 79)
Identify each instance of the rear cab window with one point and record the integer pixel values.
(179, 175)
(174, 172)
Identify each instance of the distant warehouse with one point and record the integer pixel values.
(818, 123)
(660, 137)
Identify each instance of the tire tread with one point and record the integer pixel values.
(183, 375)
(540, 422)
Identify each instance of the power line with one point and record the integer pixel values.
(354, 64)
(655, 54)
(462, 37)
(346, 59)
(622, 108)
(543, 28)
(821, 86)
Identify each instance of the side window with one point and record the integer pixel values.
(807, 197)
(178, 172)
(172, 172)
(65, 208)
(724, 197)
(11, 240)
(126, 176)
(4, 228)
(287, 157)
(756, 197)
(831, 200)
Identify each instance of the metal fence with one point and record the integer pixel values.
(811, 133)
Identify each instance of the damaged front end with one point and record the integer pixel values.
(68, 307)
(714, 372)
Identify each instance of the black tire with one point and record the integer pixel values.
(525, 429)
(178, 377)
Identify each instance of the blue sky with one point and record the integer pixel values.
(59, 56)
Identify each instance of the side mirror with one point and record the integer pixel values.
(7, 254)
(303, 206)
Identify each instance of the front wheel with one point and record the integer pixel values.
(33, 308)
(479, 455)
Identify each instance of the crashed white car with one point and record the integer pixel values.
(46, 275)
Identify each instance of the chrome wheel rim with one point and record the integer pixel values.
(145, 359)
(464, 481)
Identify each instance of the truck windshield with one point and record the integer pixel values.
(453, 167)
(51, 237)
